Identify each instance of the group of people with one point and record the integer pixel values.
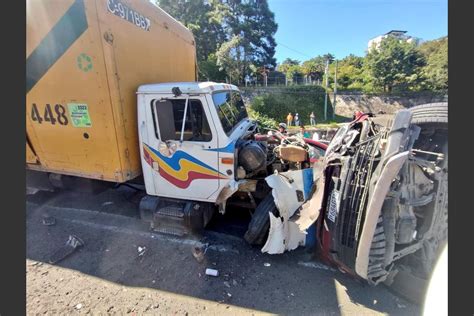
(303, 133)
(295, 120)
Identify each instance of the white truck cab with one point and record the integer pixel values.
(187, 133)
(200, 152)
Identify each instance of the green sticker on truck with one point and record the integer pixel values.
(79, 114)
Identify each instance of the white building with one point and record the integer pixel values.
(375, 42)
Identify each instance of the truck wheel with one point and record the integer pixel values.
(260, 223)
(430, 113)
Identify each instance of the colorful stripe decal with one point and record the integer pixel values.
(181, 168)
(230, 148)
(66, 31)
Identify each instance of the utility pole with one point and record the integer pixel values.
(326, 70)
(335, 92)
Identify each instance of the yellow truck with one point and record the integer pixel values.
(111, 95)
(85, 60)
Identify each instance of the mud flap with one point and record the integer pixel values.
(290, 191)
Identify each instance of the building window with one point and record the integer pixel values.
(170, 116)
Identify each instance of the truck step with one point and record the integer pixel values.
(175, 217)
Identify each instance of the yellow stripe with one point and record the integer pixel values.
(185, 166)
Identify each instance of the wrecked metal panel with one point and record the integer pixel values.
(290, 190)
(374, 206)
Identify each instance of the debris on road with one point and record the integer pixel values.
(198, 254)
(141, 251)
(107, 203)
(48, 220)
(71, 245)
(212, 272)
(317, 265)
(266, 264)
(227, 284)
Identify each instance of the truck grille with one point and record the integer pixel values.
(353, 198)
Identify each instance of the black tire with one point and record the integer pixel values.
(260, 223)
(430, 113)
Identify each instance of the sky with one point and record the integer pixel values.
(307, 28)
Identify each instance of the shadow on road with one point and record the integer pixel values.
(285, 287)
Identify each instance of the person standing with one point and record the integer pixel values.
(312, 119)
(289, 119)
(297, 120)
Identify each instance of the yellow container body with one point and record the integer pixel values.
(85, 60)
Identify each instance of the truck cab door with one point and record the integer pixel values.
(178, 157)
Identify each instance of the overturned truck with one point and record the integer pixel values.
(382, 198)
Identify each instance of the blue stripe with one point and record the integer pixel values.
(68, 29)
(230, 148)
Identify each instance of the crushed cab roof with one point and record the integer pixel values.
(186, 87)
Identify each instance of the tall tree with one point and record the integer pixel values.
(202, 18)
(253, 21)
(435, 72)
(230, 58)
(396, 63)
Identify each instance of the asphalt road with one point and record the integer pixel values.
(109, 275)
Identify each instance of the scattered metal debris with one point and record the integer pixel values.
(227, 284)
(48, 220)
(266, 264)
(71, 245)
(36, 263)
(212, 272)
(107, 203)
(141, 251)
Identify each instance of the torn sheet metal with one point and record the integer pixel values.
(290, 190)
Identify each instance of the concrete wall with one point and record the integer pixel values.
(347, 104)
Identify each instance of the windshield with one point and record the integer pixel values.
(230, 108)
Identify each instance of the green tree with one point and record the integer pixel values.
(210, 70)
(396, 63)
(231, 59)
(435, 72)
(203, 18)
(253, 21)
(291, 68)
(350, 73)
(314, 67)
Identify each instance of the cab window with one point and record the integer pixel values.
(169, 114)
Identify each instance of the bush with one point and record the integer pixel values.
(264, 121)
(298, 99)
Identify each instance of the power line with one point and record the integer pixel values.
(294, 50)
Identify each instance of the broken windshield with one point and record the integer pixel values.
(230, 108)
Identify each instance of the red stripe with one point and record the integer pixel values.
(192, 175)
